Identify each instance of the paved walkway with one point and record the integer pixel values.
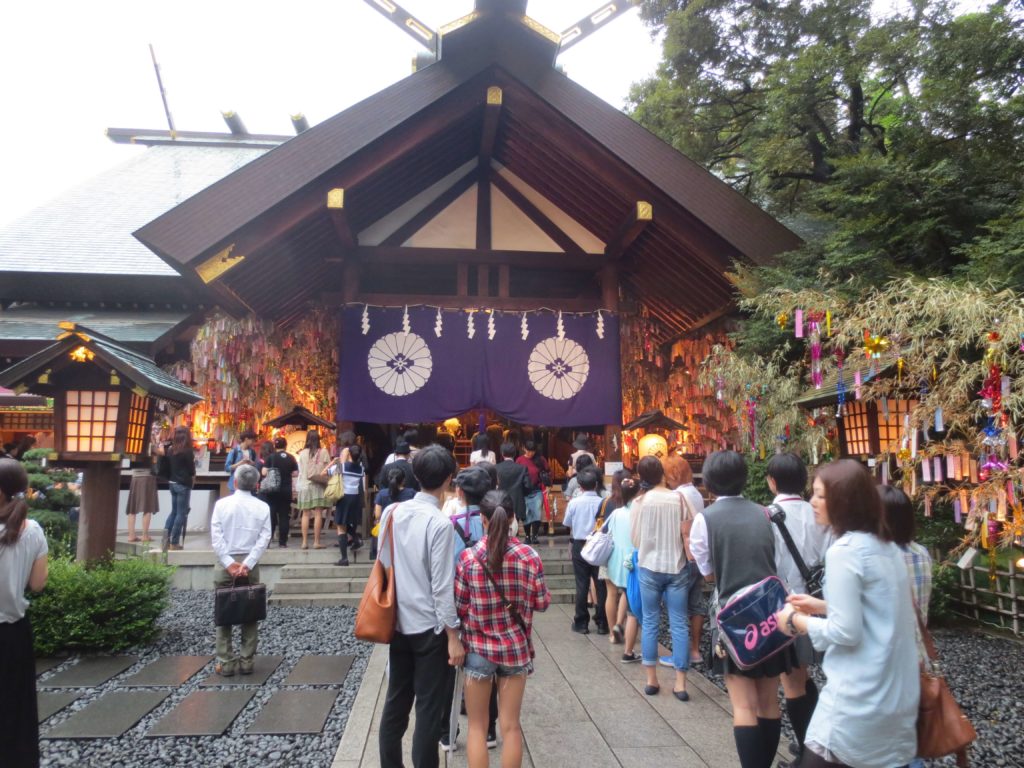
(582, 707)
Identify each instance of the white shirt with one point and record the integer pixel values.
(477, 456)
(656, 531)
(700, 548)
(16, 561)
(240, 526)
(867, 712)
(810, 538)
(424, 564)
(693, 498)
(581, 515)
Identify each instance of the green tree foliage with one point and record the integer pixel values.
(893, 143)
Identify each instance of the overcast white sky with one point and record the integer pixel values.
(70, 69)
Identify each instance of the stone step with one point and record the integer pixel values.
(558, 596)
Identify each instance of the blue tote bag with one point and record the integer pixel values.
(636, 606)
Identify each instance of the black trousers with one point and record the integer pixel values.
(280, 516)
(19, 727)
(585, 572)
(418, 673)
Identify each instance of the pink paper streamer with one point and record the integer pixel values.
(799, 325)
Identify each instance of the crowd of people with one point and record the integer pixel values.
(469, 582)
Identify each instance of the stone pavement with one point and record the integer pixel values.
(582, 707)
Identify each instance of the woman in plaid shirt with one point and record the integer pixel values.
(499, 583)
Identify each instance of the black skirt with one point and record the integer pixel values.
(785, 661)
(19, 727)
(349, 510)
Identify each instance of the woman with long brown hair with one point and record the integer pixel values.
(313, 462)
(867, 712)
(22, 566)
(499, 583)
(182, 460)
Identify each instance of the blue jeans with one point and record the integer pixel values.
(180, 495)
(674, 589)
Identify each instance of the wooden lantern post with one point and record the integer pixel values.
(103, 403)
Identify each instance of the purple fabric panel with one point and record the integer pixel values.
(387, 376)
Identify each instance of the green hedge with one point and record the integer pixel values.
(61, 533)
(111, 606)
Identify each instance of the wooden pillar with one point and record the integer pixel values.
(349, 292)
(610, 301)
(97, 518)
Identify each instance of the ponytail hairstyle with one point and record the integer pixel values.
(495, 506)
(13, 507)
(396, 481)
(354, 452)
(181, 442)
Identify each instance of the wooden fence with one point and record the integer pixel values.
(999, 602)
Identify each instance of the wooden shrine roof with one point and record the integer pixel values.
(586, 157)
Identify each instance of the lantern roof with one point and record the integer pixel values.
(131, 366)
(300, 417)
(828, 393)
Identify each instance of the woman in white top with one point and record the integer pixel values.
(660, 526)
(481, 450)
(867, 712)
(22, 566)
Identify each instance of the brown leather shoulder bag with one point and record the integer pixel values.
(378, 609)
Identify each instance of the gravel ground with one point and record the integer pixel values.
(188, 630)
(986, 676)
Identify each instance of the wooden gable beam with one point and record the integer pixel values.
(589, 24)
(534, 214)
(432, 209)
(309, 202)
(541, 260)
(492, 115)
(339, 218)
(629, 230)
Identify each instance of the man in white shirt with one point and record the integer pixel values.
(426, 640)
(240, 533)
(581, 519)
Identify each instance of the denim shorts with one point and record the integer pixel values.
(476, 667)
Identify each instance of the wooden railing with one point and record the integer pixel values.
(999, 602)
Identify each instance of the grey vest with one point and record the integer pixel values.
(742, 544)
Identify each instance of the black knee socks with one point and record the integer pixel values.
(800, 710)
(770, 730)
(749, 745)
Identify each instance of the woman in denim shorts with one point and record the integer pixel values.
(497, 572)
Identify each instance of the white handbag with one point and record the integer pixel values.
(597, 550)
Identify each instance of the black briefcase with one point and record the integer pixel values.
(239, 604)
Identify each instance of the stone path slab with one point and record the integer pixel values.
(295, 712)
(90, 672)
(52, 702)
(264, 667)
(202, 713)
(167, 671)
(45, 665)
(320, 670)
(109, 716)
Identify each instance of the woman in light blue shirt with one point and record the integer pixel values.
(867, 712)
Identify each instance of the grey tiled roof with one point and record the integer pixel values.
(141, 326)
(89, 228)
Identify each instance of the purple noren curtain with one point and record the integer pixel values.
(389, 376)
